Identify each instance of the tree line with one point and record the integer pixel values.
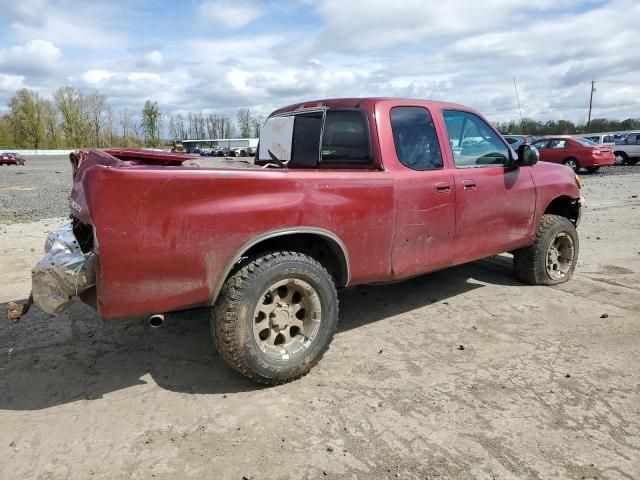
(529, 126)
(72, 119)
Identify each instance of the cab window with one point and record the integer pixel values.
(415, 138)
(473, 142)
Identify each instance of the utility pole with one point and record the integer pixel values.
(520, 109)
(593, 89)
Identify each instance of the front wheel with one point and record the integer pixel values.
(573, 164)
(275, 317)
(552, 257)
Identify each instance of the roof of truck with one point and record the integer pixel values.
(365, 103)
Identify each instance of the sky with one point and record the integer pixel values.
(216, 56)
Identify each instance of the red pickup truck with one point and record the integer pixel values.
(342, 192)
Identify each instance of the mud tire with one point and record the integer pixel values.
(529, 263)
(232, 317)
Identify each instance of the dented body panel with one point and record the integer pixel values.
(166, 236)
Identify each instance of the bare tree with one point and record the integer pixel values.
(126, 126)
(256, 125)
(96, 107)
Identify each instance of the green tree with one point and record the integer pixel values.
(151, 123)
(74, 120)
(245, 122)
(26, 115)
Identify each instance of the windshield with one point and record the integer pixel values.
(585, 142)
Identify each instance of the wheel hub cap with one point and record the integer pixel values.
(560, 256)
(287, 318)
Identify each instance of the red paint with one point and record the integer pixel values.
(165, 234)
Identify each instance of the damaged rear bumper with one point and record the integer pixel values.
(64, 272)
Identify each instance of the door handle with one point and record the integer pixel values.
(468, 184)
(443, 187)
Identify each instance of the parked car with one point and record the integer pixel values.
(240, 152)
(11, 158)
(516, 140)
(205, 152)
(627, 150)
(224, 152)
(575, 153)
(345, 192)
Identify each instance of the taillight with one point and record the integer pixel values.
(595, 151)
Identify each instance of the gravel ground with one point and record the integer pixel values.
(460, 374)
(36, 190)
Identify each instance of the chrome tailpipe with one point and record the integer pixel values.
(156, 321)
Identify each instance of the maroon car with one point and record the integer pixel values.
(8, 158)
(575, 153)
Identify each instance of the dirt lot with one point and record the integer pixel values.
(463, 373)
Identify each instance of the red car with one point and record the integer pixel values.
(575, 153)
(343, 192)
(8, 158)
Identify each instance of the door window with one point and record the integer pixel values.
(415, 138)
(473, 142)
(557, 144)
(541, 144)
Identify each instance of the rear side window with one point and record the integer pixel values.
(306, 140)
(415, 138)
(345, 139)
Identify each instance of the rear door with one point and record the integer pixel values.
(558, 150)
(494, 203)
(425, 199)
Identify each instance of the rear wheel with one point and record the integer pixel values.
(573, 164)
(275, 317)
(620, 158)
(593, 169)
(552, 257)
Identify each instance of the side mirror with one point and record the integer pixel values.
(527, 155)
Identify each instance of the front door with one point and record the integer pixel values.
(494, 203)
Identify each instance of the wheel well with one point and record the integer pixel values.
(323, 249)
(565, 207)
(571, 158)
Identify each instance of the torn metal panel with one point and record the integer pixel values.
(64, 272)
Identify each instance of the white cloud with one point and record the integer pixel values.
(151, 59)
(36, 57)
(66, 22)
(229, 14)
(10, 83)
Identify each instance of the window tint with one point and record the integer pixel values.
(345, 139)
(558, 143)
(306, 140)
(415, 138)
(472, 141)
(511, 140)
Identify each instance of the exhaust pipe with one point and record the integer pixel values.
(156, 321)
